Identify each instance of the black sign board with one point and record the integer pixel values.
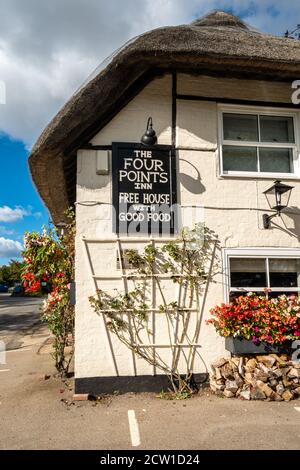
(144, 188)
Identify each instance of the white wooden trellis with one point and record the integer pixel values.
(124, 276)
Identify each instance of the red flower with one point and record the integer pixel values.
(258, 318)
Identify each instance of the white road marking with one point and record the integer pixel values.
(19, 350)
(134, 429)
(297, 408)
(4, 370)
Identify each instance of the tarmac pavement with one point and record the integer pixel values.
(37, 411)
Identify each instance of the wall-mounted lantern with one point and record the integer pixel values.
(61, 229)
(150, 137)
(278, 197)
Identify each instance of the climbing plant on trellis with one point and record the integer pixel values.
(191, 263)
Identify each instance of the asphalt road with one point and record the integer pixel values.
(37, 411)
(19, 316)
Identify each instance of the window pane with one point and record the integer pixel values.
(275, 294)
(239, 158)
(233, 295)
(277, 129)
(248, 272)
(240, 127)
(274, 160)
(284, 272)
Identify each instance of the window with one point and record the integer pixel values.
(257, 269)
(259, 143)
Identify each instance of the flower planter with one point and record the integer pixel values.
(237, 345)
(273, 320)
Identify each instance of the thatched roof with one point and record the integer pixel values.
(218, 43)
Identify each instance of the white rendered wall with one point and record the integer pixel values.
(233, 206)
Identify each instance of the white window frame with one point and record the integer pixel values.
(267, 253)
(266, 111)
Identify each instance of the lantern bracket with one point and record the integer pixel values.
(267, 220)
(277, 191)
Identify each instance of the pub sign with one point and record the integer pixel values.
(144, 189)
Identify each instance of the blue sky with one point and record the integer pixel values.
(43, 62)
(21, 208)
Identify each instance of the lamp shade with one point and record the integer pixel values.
(61, 229)
(278, 195)
(149, 138)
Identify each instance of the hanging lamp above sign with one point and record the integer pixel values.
(150, 137)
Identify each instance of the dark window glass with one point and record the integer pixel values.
(284, 272)
(274, 160)
(248, 279)
(274, 294)
(234, 295)
(271, 295)
(248, 272)
(277, 129)
(240, 127)
(283, 279)
(239, 158)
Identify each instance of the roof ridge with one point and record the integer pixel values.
(221, 18)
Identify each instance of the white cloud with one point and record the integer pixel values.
(48, 48)
(271, 16)
(9, 248)
(8, 214)
(5, 231)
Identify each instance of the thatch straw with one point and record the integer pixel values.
(218, 43)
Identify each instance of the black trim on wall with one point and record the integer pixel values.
(96, 386)
(95, 147)
(273, 104)
(174, 108)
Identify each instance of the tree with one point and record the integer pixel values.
(50, 259)
(11, 273)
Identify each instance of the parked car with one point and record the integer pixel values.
(3, 288)
(46, 287)
(18, 289)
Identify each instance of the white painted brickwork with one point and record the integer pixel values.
(233, 207)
